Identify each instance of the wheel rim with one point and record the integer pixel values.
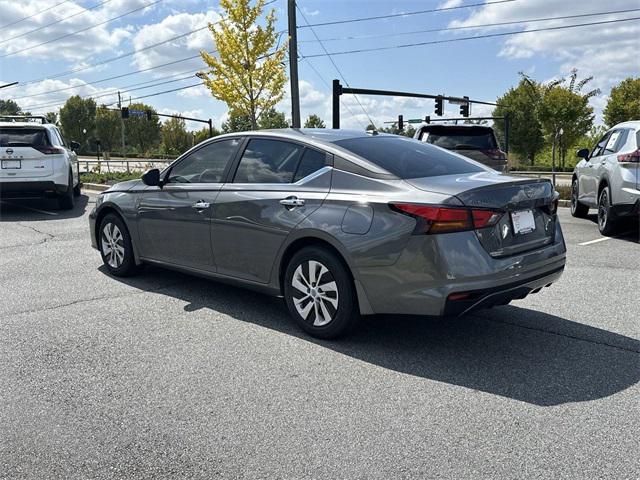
(574, 195)
(112, 244)
(603, 209)
(315, 293)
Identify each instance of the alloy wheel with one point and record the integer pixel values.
(112, 244)
(603, 209)
(574, 195)
(315, 293)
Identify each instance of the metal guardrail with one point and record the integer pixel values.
(121, 165)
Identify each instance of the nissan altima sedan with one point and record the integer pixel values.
(340, 223)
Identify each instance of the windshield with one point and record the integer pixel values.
(23, 137)
(462, 138)
(408, 158)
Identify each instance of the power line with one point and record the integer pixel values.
(34, 15)
(81, 30)
(466, 27)
(57, 21)
(476, 37)
(406, 14)
(335, 66)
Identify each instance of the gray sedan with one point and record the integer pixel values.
(340, 223)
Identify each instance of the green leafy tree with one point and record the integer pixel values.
(9, 107)
(248, 75)
(78, 119)
(202, 134)
(525, 130)
(141, 132)
(108, 129)
(236, 123)
(52, 117)
(314, 121)
(175, 138)
(271, 118)
(623, 103)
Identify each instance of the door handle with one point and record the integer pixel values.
(201, 205)
(292, 202)
(603, 162)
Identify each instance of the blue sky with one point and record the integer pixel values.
(482, 69)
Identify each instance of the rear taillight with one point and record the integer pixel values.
(495, 154)
(439, 219)
(633, 157)
(49, 150)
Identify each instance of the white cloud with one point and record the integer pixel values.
(450, 4)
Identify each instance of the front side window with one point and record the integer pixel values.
(598, 149)
(205, 165)
(268, 161)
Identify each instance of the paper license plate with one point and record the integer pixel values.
(11, 164)
(523, 221)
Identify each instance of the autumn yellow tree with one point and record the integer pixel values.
(247, 73)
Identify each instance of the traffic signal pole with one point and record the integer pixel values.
(293, 65)
(124, 153)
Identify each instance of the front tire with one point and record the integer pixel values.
(578, 210)
(319, 292)
(66, 201)
(115, 246)
(606, 222)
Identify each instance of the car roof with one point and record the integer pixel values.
(47, 126)
(630, 124)
(446, 126)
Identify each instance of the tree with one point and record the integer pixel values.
(246, 75)
(52, 117)
(314, 121)
(271, 118)
(9, 107)
(175, 138)
(566, 109)
(623, 103)
(202, 134)
(78, 119)
(525, 130)
(236, 123)
(141, 132)
(108, 129)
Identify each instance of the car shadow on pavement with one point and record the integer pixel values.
(29, 210)
(514, 352)
(628, 229)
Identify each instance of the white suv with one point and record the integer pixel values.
(608, 177)
(36, 161)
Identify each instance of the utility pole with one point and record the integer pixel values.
(293, 65)
(121, 127)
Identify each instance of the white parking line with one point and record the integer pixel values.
(30, 208)
(597, 240)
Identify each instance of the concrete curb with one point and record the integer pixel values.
(96, 187)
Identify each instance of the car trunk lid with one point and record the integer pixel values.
(528, 208)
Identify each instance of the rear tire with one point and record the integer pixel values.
(319, 292)
(116, 249)
(607, 224)
(66, 201)
(578, 210)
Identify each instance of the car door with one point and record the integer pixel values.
(588, 180)
(174, 220)
(276, 185)
(73, 157)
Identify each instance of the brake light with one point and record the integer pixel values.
(630, 157)
(439, 219)
(495, 154)
(49, 150)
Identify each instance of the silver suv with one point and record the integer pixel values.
(607, 178)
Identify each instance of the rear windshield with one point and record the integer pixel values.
(462, 138)
(408, 158)
(23, 137)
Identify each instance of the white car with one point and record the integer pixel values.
(608, 177)
(36, 161)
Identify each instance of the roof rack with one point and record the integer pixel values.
(24, 118)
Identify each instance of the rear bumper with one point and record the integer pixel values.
(30, 189)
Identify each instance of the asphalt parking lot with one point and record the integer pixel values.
(169, 376)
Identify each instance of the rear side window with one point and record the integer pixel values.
(268, 161)
(463, 138)
(23, 137)
(408, 158)
(312, 161)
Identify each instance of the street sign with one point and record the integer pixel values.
(136, 113)
(458, 101)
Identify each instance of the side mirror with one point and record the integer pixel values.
(74, 145)
(583, 153)
(151, 177)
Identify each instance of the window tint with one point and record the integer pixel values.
(312, 160)
(268, 161)
(597, 150)
(205, 165)
(23, 137)
(463, 138)
(610, 147)
(408, 158)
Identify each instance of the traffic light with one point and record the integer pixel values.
(427, 119)
(439, 105)
(124, 112)
(464, 108)
(400, 123)
(149, 114)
